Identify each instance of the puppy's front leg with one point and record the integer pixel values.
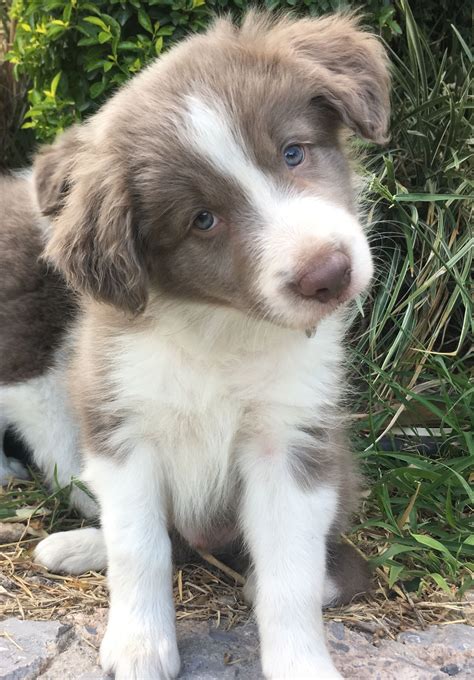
(140, 641)
(286, 527)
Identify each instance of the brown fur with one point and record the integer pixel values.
(349, 570)
(91, 389)
(322, 460)
(35, 306)
(53, 165)
(348, 67)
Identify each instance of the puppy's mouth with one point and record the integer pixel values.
(302, 298)
(313, 311)
(292, 310)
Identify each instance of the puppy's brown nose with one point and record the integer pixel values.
(326, 278)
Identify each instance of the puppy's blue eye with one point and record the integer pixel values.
(205, 221)
(293, 155)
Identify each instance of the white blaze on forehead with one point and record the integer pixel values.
(295, 225)
(218, 140)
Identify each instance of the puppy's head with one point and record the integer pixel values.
(218, 174)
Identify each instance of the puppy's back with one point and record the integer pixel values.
(34, 303)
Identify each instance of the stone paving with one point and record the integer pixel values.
(55, 650)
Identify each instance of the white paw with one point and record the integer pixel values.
(72, 552)
(11, 468)
(138, 652)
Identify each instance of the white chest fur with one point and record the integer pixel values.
(201, 395)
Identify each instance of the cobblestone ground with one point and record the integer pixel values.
(68, 651)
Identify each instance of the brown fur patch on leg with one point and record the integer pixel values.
(348, 571)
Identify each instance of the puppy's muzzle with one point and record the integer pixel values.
(325, 279)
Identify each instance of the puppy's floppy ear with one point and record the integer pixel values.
(52, 167)
(349, 69)
(94, 242)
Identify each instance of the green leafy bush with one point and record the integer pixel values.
(413, 359)
(75, 53)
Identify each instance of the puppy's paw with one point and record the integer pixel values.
(11, 468)
(72, 552)
(139, 653)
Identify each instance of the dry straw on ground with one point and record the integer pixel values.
(204, 588)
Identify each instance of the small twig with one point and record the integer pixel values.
(456, 606)
(417, 613)
(10, 639)
(404, 518)
(352, 545)
(386, 628)
(88, 642)
(380, 572)
(238, 578)
(365, 626)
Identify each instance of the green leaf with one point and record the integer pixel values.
(441, 582)
(158, 45)
(55, 83)
(463, 44)
(67, 12)
(96, 89)
(144, 20)
(104, 37)
(399, 198)
(392, 551)
(55, 31)
(127, 45)
(430, 542)
(112, 24)
(97, 22)
(394, 574)
(87, 42)
(166, 31)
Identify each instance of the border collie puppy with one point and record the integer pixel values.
(205, 219)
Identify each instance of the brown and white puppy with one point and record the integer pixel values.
(206, 216)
